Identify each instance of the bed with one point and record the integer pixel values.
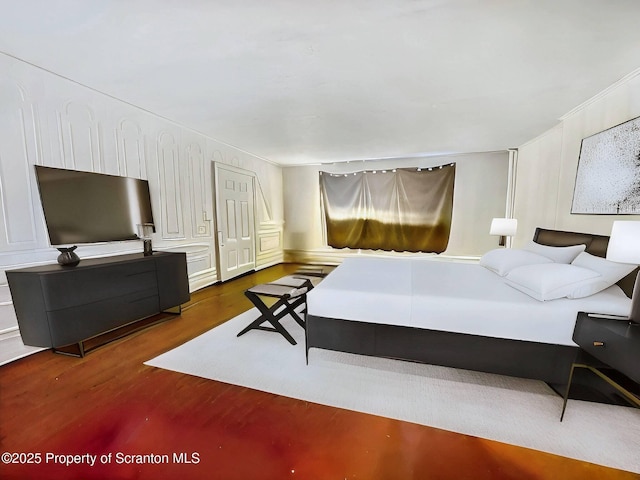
(461, 315)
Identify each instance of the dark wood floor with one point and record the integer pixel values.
(110, 405)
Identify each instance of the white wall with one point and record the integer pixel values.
(547, 165)
(48, 120)
(479, 195)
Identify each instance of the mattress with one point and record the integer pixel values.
(454, 297)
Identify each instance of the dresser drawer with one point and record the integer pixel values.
(613, 342)
(71, 325)
(90, 285)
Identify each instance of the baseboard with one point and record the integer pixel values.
(202, 279)
(12, 348)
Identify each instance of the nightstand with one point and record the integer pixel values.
(607, 344)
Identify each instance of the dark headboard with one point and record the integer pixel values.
(596, 245)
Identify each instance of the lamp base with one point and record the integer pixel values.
(634, 316)
(148, 248)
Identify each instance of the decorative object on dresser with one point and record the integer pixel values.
(504, 227)
(59, 307)
(144, 232)
(67, 257)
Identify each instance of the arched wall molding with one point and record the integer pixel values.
(130, 149)
(19, 150)
(201, 215)
(80, 138)
(170, 188)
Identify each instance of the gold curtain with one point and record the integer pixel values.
(401, 209)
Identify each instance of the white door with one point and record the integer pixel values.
(235, 225)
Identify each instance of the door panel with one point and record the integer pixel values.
(244, 220)
(231, 220)
(235, 219)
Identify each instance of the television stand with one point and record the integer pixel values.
(75, 309)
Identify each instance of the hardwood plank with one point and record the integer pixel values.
(110, 403)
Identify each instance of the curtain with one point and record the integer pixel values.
(404, 209)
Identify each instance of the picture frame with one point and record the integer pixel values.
(608, 174)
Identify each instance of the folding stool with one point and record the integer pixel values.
(290, 292)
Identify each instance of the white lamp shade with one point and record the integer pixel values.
(624, 243)
(503, 226)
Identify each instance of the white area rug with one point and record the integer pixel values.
(510, 410)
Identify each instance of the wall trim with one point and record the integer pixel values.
(541, 136)
(12, 348)
(601, 94)
(202, 279)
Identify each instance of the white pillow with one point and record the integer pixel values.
(557, 254)
(610, 272)
(550, 280)
(503, 260)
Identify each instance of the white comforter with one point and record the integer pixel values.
(448, 296)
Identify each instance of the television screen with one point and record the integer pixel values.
(85, 207)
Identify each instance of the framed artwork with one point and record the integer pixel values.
(608, 176)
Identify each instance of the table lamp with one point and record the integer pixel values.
(144, 232)
(624, 247)
(504, 227)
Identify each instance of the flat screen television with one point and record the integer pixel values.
(86, 207)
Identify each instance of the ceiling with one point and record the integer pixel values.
(297, 81)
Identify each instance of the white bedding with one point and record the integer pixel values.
(448, 296)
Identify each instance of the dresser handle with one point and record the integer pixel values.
(598, 344)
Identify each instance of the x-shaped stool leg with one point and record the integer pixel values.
(289, 297)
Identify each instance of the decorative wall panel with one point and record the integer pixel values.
(80, 138)
(199, 179)
(270, 250)
(18, 152)
(270, 242)
(170, 191)
(130, 142)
